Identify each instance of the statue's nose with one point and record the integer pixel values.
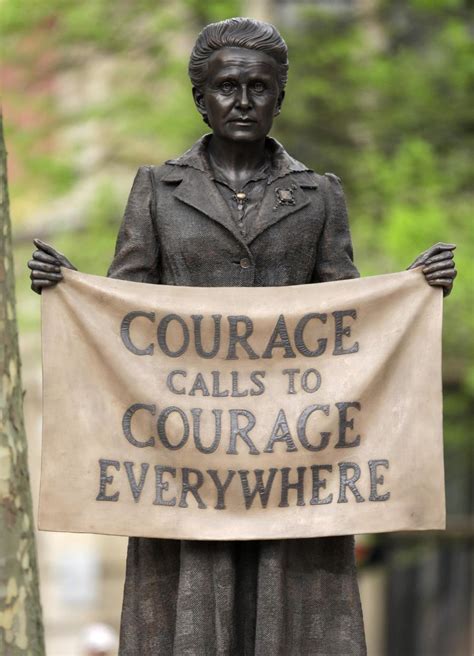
(244, 101)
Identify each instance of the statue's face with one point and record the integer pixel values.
(241, 96)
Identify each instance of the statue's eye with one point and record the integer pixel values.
(258, 87)
(226, 87)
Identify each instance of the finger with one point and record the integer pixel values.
(444, 255)
(444, 247)
(43, 266)
(439, 275)
(441, 282)
(38, 285)
(439, 264)
(45, 247)
(44, 257)
(42, 275)
(421, 259)
(64, 262)
(440, 247)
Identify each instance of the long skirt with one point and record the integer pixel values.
(259, 598)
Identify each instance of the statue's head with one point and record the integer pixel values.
(239, 68)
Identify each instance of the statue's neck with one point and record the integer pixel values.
(236, 161)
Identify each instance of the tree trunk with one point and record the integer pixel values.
(21, 630)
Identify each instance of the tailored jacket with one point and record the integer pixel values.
(237, 598)
(178, 230)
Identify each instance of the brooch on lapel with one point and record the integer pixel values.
(285, 196)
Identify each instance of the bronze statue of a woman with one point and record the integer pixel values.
(237, 210)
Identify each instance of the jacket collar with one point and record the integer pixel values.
(281, 163)
(198, 190)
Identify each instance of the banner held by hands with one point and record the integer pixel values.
(230, 413)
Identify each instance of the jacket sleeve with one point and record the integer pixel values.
(136, 250)
(334, 259)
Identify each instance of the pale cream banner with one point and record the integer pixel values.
(242, 413)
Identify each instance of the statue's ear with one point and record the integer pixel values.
(200, 104)
(279, 103)
(199, 101)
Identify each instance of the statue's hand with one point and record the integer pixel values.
(46, 266)
(438, 266)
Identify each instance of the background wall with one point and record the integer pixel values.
(379, 94)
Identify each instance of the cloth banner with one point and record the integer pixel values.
(242, 413)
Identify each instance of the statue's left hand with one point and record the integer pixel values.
(438, 266)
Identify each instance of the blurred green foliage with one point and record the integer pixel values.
(384, 101)
(381, 97)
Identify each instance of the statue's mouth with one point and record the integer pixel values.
(242, 121)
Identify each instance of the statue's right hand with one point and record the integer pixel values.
(46, 266)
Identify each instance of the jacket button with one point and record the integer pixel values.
(245, 263)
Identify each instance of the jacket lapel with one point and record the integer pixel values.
(197, 190)
(271, 210)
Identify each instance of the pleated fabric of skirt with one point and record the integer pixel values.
(259, 598)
